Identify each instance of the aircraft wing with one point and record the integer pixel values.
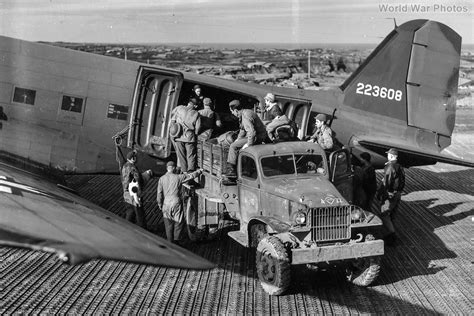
(408, 155)
(38, 215)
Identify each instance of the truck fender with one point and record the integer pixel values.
(272, 226)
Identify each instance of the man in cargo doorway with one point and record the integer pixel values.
(323, 134)
(169, 201)
(188, 124)
(252, 132)
(210, 120)
(197, 95)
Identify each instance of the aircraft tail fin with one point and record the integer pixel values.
(411, 76)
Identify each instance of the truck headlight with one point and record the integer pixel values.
(357, 214)
(300, 218)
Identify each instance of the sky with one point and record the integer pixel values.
(224, 21)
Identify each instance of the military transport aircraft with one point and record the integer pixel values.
(60, 109)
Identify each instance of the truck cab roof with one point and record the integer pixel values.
(293, 147)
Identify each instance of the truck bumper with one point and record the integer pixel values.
(338, 252)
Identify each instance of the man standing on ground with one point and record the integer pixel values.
(252, 132)
(389, 193)
(132, 183)
(169, 200)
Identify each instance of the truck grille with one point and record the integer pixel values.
(331, 223)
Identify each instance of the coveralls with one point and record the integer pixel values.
(169, 201)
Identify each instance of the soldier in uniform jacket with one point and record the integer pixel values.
(272, 109)
(132, 183)
(198, 97)
(323, 134)
(169, 201)
(389, 193)
(252, 132)
(209, 120)
(185, 143)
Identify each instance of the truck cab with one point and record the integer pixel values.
(292, 202)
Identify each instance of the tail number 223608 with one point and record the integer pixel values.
(379, 92)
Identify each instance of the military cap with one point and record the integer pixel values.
(171, 164)
(196, 87)
(392, 151)
(206, 101)
(234, 103)
(193, 101)
(270, 97)
(321, 117)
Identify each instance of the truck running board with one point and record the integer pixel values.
(239, 237)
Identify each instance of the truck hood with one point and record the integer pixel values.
(313, 192)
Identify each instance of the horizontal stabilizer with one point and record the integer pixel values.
(409, 156)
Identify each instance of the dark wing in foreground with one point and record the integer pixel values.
(38, 215)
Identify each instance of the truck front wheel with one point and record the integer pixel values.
(363, 271)
(273, 265)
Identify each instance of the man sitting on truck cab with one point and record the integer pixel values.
(252, 132)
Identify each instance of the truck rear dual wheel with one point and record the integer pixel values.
(363, 271)
(273, 265)
(195, 233)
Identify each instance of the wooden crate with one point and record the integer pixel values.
(212, 157)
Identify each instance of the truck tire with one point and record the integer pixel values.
(273, 266)
(257, 233)
(363, 271)
(195, 233)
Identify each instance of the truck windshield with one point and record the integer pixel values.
(292, 164)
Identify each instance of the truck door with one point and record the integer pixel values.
(341, 173)
(156, 94)
(249, 188)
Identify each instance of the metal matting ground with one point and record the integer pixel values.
(429, 272)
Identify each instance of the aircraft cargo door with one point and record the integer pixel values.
(156, 94)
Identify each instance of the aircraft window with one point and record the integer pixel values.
(26, 96)
(72, 104)
(249, 168)
(116, 111)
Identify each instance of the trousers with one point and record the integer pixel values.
(187, 155)
(173, 220)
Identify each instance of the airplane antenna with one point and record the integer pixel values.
(394, 22)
